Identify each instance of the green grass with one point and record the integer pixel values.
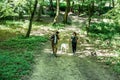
(111, 62)
(16, 56)
(107, 32)
(104, 30)
(58, 26)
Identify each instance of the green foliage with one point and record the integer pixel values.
(16, 56)
(51, 13)
(58, 25)
(62, 6)
(112, 62)
(6, 9)
(113, 14)
(104, 30)
(15, 8)
(116, 67)
(9, 23)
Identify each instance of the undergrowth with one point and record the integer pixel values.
(111, 62)
(108, 33)
(16, 56)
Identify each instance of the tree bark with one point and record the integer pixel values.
(57, 12)
(79, 9)
(39, 12)
(113, 3)
(67, 11)
(90, 14)
(72, 10)
(51, 8)
(31, 19)
(51, 5)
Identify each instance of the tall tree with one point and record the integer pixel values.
(31, 19)
(90, 13)
(57, 12)
(72, 7)
(40, 10)
(67, 11)
(51, 8)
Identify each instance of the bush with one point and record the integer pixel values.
(104, 30)
(62, 6)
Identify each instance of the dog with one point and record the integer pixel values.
(64, 47)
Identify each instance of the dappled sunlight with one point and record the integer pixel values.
(43, 30)
(37, 40)
(47, 51)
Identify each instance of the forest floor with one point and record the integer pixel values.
(66, 66)
(83, 66)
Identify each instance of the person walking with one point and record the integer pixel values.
(54, 42)
(74, 40)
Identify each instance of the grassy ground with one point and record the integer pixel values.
(67, 67)
(16, 52)
(16, 56)
(19, 56)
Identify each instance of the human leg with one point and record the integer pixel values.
(73, 48)
(55, 50)
(75, 45)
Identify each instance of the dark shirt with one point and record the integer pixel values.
(74, 39)
(53, 39)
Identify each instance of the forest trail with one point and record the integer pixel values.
(66, 67)
(69, 67)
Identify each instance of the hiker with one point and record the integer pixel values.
(54, 42)
(74, 40)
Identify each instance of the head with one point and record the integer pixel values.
(74, 33)
(57, 32)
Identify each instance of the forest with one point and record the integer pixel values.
(26, 27)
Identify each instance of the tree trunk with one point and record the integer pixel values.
(51, 8)
(67, 11)
(20, 13)
(113, 3)
(51, 5)
(72, 10)
(90, 14)
(82, 7)
(31, 19)
(79, 9)
(100, 8)
(39, 12)
(57, 12)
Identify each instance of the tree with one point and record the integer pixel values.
(57, 12)
(90, 12)
(114, 14)
(67, 11)
(6, 9)
(40, 9)
(51, 8)
(113, 3)
(31, 19)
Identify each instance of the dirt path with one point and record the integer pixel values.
(66, 67)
